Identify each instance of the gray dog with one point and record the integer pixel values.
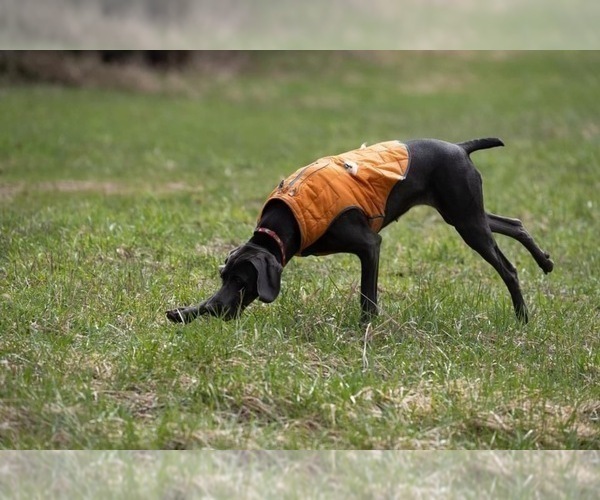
(340, 203)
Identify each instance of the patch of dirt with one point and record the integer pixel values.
(71, 186)
(9, 191)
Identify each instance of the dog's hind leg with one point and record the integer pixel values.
(514, 228)
(479, 237)
(459, 200)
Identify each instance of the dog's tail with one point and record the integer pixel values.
(476, 144)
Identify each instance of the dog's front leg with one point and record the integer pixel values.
(351, 233)
(369, 272)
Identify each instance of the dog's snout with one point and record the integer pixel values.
(221, 310)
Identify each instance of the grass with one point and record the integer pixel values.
(117, 205)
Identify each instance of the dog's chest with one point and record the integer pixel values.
(362, 178)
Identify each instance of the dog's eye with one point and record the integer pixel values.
(238, 281)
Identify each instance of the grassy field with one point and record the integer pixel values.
(118, 205)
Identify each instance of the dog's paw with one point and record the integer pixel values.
(522, 314)
(548, 265)
(175, 316)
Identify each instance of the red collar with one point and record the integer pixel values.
(277, 239)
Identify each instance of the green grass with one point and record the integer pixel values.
(116, 206)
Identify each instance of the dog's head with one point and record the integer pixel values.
(250, 272)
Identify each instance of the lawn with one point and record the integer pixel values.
(117, 205)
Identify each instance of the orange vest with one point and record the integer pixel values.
(362, 178)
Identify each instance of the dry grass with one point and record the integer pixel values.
(542, 424)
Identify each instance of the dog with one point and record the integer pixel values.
(390, 178)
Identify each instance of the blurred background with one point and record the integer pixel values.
(286, 24)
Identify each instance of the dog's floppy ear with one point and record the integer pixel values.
(268, 282)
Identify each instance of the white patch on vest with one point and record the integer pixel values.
(351, 167)
(363, 145)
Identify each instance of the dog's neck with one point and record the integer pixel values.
(285, 242)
